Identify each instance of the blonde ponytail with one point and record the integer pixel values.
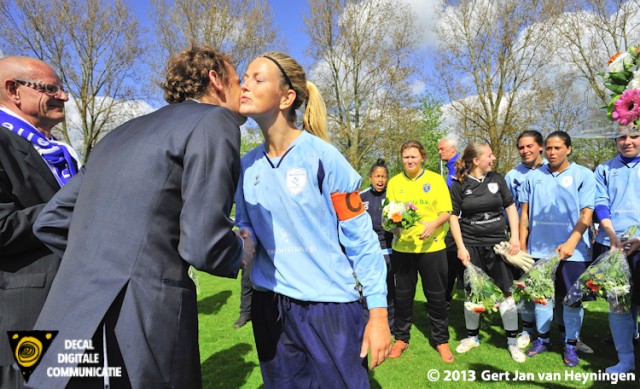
(315, 113)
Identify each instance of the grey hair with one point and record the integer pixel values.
(450, 140)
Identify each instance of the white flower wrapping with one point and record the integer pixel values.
(394, 207)
(618, 64)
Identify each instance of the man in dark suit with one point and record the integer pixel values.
(32, 169)
(155, 198)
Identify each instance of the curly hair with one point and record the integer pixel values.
(188, 72)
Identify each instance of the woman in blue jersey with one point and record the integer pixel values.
(480, 198)
(556, 209)
(421, 249)
(373, 198)
(315, 245)
(530, 145)
(617, 208)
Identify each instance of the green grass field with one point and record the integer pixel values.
(229, 358)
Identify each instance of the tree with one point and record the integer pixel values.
(94, 47)
(590, 32)
(242, 28)
(365, 56)
(433, 129)
(490, 61)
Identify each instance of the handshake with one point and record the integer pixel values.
(522, 260)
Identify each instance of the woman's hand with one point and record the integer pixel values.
(565, 250)
(464, 256)
(429, 227)
(515, 246)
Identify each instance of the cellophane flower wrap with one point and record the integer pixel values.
(608, 277)
(397, 216)
(482, 294)
(622, 78)
(538, 284)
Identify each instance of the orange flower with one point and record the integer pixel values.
(540, 301)
(479, 309)
(613, 58)
(396, 217)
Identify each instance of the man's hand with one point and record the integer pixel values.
(522, 260)
(249, 246)
(377, 337)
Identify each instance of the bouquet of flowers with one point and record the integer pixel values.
(607, 277)
(538, 284)
(622, 78)
(482, 294)
(397, 215)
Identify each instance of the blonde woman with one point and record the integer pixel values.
(315, 243)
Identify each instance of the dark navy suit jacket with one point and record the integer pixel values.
(155, 198)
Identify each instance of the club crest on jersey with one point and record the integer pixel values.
(426, 188)
(366, 205)
(493, 187)
(296, 180)
(468, 192)
(566, 181)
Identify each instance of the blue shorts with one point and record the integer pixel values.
(308, 344)
(567, 274)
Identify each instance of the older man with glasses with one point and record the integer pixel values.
(33, 167)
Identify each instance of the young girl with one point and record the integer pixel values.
(315, 243)
(479, 197)
(556, 210)
(373, 199)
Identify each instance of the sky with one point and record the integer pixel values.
(287, 15)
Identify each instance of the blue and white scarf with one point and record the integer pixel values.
(55, 154)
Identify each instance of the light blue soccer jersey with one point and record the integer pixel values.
(555, 201)
(618, 188)
(286, 204)
(515, 179)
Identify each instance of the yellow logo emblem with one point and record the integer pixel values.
(29, 347)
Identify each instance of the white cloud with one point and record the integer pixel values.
(426, 12)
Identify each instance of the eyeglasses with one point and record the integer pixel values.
(50, 89)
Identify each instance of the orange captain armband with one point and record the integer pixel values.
(347, 205)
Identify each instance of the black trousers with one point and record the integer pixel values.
(433, 270)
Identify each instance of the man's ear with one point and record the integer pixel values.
(11, 90)
(288, 98)
(216, 82)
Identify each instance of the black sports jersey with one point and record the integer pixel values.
(479, 205)
(373, 201)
